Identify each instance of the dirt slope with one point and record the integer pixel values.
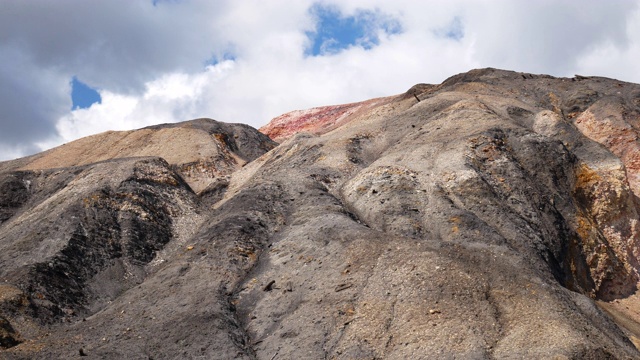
(200, 150)
(478, 218)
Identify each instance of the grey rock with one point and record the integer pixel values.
(480, 222)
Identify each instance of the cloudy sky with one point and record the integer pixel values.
(71, 68)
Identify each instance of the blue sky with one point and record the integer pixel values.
(83, 96)
(66, 71)
(336, 31)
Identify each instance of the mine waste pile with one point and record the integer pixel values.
(493, 216)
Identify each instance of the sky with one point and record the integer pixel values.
(73, 68)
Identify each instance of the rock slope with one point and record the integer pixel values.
(484, 217)
(320, 120)
(201, 151)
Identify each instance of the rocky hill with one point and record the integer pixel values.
(494, 215)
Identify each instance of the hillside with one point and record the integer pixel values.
(492, 216)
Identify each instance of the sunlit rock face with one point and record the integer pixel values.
(494, 215)
(202, 151)
(322, 119)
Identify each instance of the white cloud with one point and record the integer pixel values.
(611, 59)
(149, 62)
(544, 36)
(173, 96)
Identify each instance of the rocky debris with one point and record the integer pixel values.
(8, 336)
(87, 233)
(14, 190)
(479, 218)
(74, 239)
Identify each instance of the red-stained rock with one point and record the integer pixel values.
(319, 120)
(608, 122)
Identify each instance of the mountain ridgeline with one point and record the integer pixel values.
(493, 216)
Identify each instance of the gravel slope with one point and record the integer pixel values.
(480, 218)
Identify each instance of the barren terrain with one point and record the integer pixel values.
(493, 216)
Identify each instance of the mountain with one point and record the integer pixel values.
(494, 215)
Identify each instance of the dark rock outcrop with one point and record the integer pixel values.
(484, 217)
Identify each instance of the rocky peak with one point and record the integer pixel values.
(201, 151)
(494, 215)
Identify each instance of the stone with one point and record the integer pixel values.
(496, 217)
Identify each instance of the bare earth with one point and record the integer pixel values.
(493, 216)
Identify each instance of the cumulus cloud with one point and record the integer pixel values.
(249, 61)
(30, 99)
(546, 36)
